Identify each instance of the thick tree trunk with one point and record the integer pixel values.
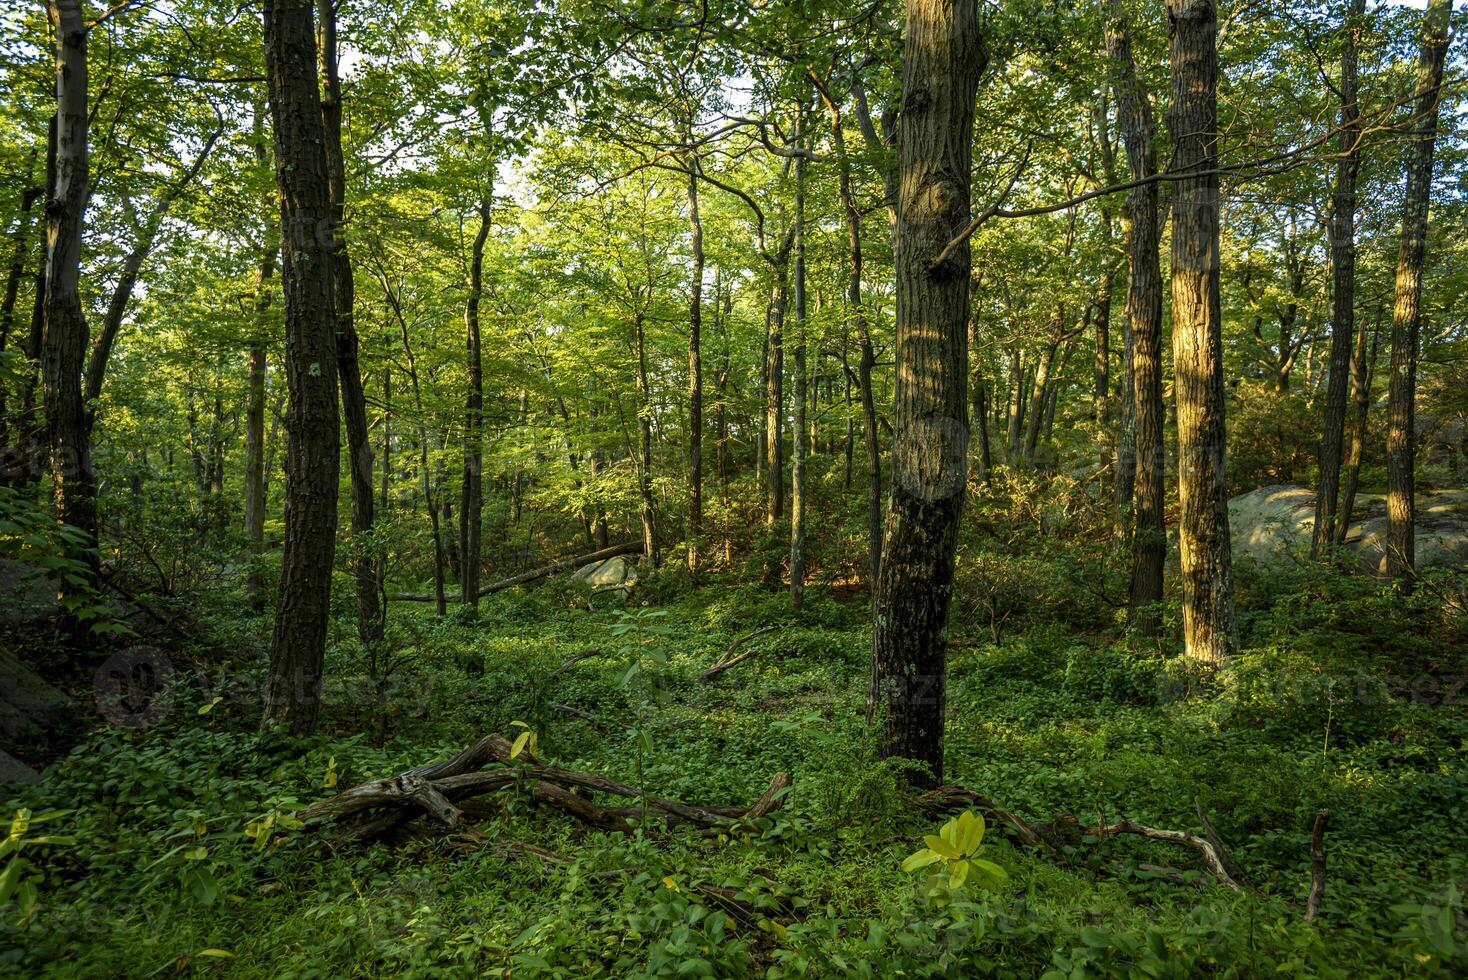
(695, 374)
(298, 643)
(799, 448)
(471, 498)
(1197, 346)
(64, 341)
(1363, 365)
(943, 55)
(367, 566)
(1144, 324)
(1401, 505)
(1343, 299)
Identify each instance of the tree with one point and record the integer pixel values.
(1343, 294)
(1144, 316)
(298, 641)
(64, 342)
(943, 56)
(1197, 345)
(1401, 504)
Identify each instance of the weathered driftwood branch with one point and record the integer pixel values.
(1211, 859)
(626, 548)
(1317, 865)
(1229, 864)
(729, 659)
(378, 806)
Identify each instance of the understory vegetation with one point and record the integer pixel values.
(183, 855)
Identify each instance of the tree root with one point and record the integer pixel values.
(373, 808)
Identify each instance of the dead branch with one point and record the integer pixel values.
(952, 799)
(1317, 865)
(626, 548)
(587, 655)
(729, 659)
(1229, 864)
(1211, 859)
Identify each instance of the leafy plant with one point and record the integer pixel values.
(14, 880)
(952, 857)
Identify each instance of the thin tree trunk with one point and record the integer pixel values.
(1401, 504)
(1362, 365)
(799, 447)
(1203, 531)
(695, 374)
(367, 565)
(1101, 396)
(775, 396)
(471, 500)
(1144, 323)
(298, 643)
(64, 340)
(256, 367)
(21, 240)
(1343, 300)
(943, 56)
(644, 446)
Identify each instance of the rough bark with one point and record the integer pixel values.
(313, 443)
(366, 565)
(1197, 346)
(1363, 364)
(1144, 323)
(1343, 294)
(943, 55)
(1401, 436)
(64, 340)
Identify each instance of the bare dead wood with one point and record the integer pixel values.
(952, 799)
(626, 548)
(1317, 865)
(1229, 864)
(585, 655)
(400, 790)
(1211, 859)
(729, 659)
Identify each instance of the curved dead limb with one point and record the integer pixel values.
(952, 799)
(729, 659)
(1317, 865)
(585, 655)
(396, 791)
(1229, 864)
(1211, 859)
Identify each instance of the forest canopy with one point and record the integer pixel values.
(594, 487)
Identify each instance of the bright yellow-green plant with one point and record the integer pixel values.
(952, 857)
(16, 883)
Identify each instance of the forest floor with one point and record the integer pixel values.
(182, 856)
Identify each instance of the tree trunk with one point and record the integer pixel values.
(13, 278)
(1197, 347)
(1343, 300)
(367, 565)
(1401, 505)
(1144, 322)
(64, 340)
(775, 395)
(799, 447)
(644, 447)
(471, 499)
(255, 384)
(943, 56)
(1363, 364)
(298, 643)
(695, 374)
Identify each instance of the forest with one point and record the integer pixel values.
(640, 488)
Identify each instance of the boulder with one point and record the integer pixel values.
(1275, 523)
(620, 571)
(34, 715)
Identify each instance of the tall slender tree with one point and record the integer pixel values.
(943, 56)
(1197, 345)
(1401, 436)
(312, 465)
(1144, 321)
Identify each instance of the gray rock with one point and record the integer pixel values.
(1273, 524)
(31, 710)
(619, 571)
(15, 774)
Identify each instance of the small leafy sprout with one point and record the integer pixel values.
(954, 849)
(525, 739)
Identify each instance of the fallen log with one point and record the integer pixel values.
(376, 807)
(1317, 865)
(626, 548)
(1211, 859)
(729, 659)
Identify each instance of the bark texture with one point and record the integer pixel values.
(1401, 437)
(943, 55)
(313, 443)
(1197, 346)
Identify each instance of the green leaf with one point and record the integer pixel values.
(921, 859)
(9, 878)
(942, 847)
(520, 742)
